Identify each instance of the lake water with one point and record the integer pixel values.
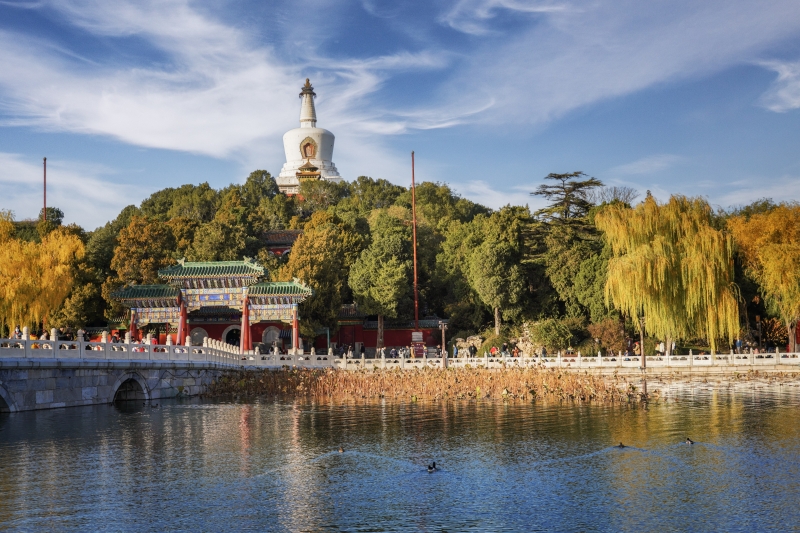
(272, 466)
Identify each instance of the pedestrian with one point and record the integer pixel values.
(17, 333)
(473, 350)
(363, 350)
(455, 351)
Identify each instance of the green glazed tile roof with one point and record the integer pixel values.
(278, 288)
(212, 269)
(146, 292)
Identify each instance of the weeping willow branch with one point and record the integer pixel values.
(672, 267)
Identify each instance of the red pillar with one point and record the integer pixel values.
(244, 341)
(134, 333)
(295, 329)
(182, 325)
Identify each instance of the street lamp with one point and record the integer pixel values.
(443, 326)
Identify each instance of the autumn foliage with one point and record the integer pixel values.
(35, 278)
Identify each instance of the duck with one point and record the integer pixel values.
(154, 406)
(432, 467)
(620, 445)
(689, 441)
(341, 450)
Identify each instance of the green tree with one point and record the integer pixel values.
(496, 276)
(218, 240)
(380, 278)
(321, 258)
(319, 195)
(569, 197)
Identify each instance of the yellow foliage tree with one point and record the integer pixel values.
(35, 278)
(671, 268)
(770, 245)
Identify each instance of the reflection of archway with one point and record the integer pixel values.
(197, 335)
(270, 335)
(130, 387)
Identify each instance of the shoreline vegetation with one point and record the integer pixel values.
(528, 384)
(509, 384)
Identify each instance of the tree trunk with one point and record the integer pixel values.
(641, 342)
(791, 328)
(668, 346)
(380, 332)
(497, 321)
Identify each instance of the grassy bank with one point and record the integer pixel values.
(429, 384)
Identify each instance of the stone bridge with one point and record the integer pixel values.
(49, 374)
(29, 384)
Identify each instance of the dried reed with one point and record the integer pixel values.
(427, 384)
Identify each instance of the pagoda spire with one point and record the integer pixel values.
(308, 115)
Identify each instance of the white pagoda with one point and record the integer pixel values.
(309, 149)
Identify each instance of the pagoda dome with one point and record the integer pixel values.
(307, 144)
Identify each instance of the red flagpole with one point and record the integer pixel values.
(45, 190)
(414, 229)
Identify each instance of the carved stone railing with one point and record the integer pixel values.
(226, 354)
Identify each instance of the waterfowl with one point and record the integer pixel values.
(432, 467)
(341, 450)
(689, 441)
(620, 445)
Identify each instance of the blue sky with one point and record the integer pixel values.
(125, 98)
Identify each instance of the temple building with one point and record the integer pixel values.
(308, 149)
(224, 300)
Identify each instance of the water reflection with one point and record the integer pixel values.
(276, 466)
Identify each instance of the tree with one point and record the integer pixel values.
(671, 269)
(570, 197)
(495, 268)
(196, 202)
(34, 278)
(218, 240)
(258, 186)
(143, 248)
(318, 195)
(321, 258)
(769, 242)
(380, 278)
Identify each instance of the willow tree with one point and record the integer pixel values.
(769, 242)
(35, 278)
(671, 269)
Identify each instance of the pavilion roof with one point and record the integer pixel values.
(146, 293)
(212, 269)
(279, 288)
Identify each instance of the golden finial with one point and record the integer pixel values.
(308, 82)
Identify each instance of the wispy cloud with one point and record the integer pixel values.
(491, 196)
(472, 16)
(784, 94)
(747, 191)
(647, 165)
(595, 51)
(85, 192)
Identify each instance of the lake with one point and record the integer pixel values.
(275, 466)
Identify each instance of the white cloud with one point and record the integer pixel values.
(647, 165)
(483, 193)
(472, 16)
(784, 94)
(605, 49)
(747, 191)
(83, 191)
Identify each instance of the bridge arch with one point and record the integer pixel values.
(6, 404)
(130, 386)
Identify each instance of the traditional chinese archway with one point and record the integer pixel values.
(209, 293)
